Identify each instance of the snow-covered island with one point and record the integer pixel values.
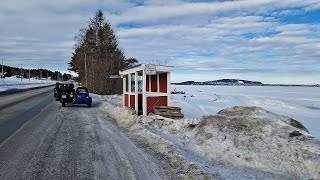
(233, 132)
(239, 82)
(227, 82)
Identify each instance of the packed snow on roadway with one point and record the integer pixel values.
(11, 83)
(234, 141)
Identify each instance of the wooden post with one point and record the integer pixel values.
(136, 92)
(168, 87)
(124, 81)
(144, 91)
(129, 88)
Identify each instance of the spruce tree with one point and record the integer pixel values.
(97, 56)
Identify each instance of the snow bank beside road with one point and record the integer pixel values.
(12, 83)
(246, 142)
(127, 119)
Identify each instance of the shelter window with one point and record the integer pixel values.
(140, 82)
(132, 83)
(127, 83)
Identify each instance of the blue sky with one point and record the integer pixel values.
(265, 40)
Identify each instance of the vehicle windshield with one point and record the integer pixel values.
(82, 91)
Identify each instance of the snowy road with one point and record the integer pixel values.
(74, 142)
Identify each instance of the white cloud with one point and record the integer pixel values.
(274, 48)
(231, 37)
(165, 11)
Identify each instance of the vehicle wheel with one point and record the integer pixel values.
(89, 105)
(63, 103)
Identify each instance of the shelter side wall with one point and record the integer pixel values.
(132, 102)
(163, 83)
(126, 100)
(140, 102)
(156, 101)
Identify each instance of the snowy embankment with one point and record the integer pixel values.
(12, 83)
(236, 143)
(126, 118)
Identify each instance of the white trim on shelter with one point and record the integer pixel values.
(142, 66)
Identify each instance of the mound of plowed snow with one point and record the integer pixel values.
(254, 137)
(236, 143)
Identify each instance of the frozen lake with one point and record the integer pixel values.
(300, 103)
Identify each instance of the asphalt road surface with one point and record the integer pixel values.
(42, 140)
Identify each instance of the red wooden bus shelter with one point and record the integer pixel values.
(146, 86)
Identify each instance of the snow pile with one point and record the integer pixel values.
(115, 100)
(256, 138)
(127, 119)
(246, 142)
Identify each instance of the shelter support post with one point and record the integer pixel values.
(136, 92)
(124, 82)
(144, 91)
(129, 89)
(168, 87)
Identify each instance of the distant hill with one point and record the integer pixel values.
(227, 82)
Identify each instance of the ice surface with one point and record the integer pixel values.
(300, 103)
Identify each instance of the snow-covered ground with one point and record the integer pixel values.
(235, 143)
(16, 83)
(300, 103)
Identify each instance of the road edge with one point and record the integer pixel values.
(9, 104)
(15, 91)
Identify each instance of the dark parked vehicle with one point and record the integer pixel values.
(63, 87)
(65, 93)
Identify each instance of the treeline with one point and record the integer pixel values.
(35, 73)
(97, 56)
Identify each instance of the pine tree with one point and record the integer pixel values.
(97, 56)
